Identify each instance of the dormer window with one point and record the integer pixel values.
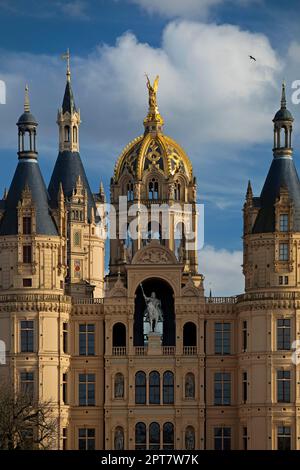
(177, 191)
(284, 223)
(130, 192)
(153, 189)
(26, 225)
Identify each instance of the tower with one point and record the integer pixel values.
(154, 302)
(268, 312)
(85, 247)
(33, 307)
(153, 191)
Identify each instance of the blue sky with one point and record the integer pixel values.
(216, 102)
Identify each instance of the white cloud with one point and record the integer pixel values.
(184, 8)
(222, 271)
(75, 9)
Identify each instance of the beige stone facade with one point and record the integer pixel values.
(218, 375)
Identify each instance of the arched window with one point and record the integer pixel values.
(140, 436)
(130, 191)
(119, 385)
(189, 386)
(190, 438)
(168, 436)
(67, 134)
(189, 334)
(119, 438)
(119, 335)
(154, 436)
(153, 232)
(168, 387)
(153, 189)
(140, 388)
(75, 134)
(177, 191)
(154, 388)
(27, 141)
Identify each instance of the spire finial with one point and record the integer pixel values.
(26, 100)
(283, 96)
(153, 113)
(66, 57)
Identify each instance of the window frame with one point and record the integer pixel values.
(222, 388)
(87, 389)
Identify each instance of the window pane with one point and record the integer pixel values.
(154, 436)
(154, 388)
(140, 436)
(168, 436)
(140, 388)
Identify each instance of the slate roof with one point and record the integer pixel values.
(282, 173)
(68, 101)
(28, 173)
(67, 168)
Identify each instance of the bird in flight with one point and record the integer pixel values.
(252, 58)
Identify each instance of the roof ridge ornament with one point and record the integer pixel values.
(153, 121)
(283, 96)
(66, 56)
(26, 100)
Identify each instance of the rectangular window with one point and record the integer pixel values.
(286, 280)
(27, 384)
(26, 225)
(64, 438)
(284, 223)
(222, 338)
(65, 338)
(86, 439)
(280, 280)
(284, 438)
(245, 438)
(27, 336)
(27, 282)
(283, 252)
(65, 388)
(87, 390)
(27, 254)
(283, 334)
(222, 437)
(245, 336)
(86, 339)
(245, 387)
(283, 386)
(222, 389)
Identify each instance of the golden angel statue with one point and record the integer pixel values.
(152, 91)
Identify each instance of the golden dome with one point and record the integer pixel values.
(153, 149)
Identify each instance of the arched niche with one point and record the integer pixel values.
(165, 294)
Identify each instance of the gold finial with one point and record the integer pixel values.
(26, 100)
(66, 57)
(153, 113)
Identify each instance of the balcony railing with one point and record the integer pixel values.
(221, 300)
(168, 350)
(119, 351)
(189, 350)
(140, 350)
(88, 301)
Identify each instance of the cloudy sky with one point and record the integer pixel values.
(215, 101)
